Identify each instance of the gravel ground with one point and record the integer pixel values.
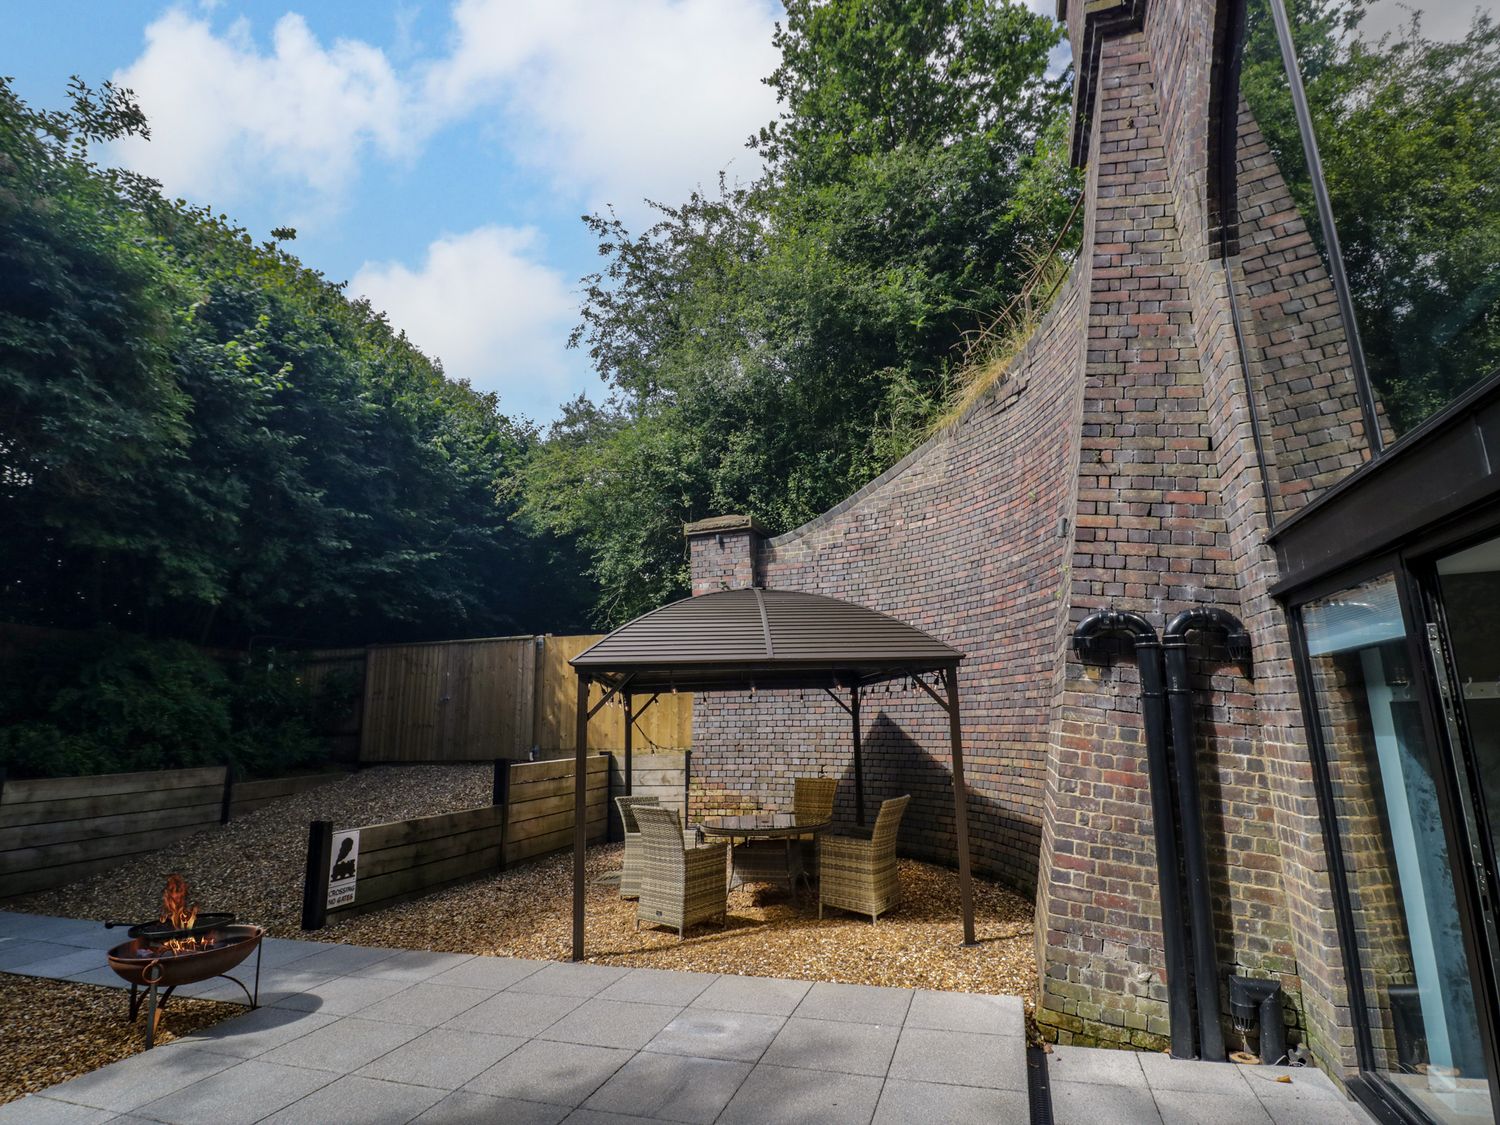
(254, 867)
(56, 1030)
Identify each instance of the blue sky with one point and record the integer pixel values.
(437, 155)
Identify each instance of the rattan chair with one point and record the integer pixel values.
(812, 801)
(680, 886)
(860, 875)
(630, 865)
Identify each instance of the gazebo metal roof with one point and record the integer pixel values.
(736, 639)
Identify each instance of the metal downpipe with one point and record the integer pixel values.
(1190, 803)
(1087, 642)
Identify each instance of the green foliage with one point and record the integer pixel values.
(1408, 130)
(108, 703)
(772, 347)
(201, 438)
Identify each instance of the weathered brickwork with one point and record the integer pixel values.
(1116, 465)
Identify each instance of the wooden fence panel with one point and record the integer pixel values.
(247, 796)
(541, 806)
(317, 669)
(667, 724)
(454, 701)
(55, 830)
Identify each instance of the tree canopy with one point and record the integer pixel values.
(1408, 131)
(770, 347)
(201, 438)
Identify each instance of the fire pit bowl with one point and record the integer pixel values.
(161, 957)
(142, 961)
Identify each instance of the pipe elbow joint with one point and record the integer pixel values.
(1211, 619)
(1091, 636)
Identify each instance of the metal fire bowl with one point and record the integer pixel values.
(130, 959)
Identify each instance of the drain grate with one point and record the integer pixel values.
(1038, 1091)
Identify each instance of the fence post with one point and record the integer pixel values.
(500, 795)
(2, 783)
(315, 886)
(687, 785)
(228, 793)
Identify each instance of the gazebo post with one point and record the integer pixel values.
(960, 803)
(629, 722)
(859, 765)
(580, 811)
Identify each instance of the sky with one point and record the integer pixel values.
(435, 155)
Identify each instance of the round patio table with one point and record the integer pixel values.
(749, 861)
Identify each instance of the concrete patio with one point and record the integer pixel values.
(355, 1034)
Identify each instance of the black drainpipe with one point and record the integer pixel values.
(1090, 641)
(1195, 848)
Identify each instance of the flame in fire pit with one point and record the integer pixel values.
(176, 912)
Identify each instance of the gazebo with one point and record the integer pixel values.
(749, 639)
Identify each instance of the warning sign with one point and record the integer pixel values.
(344, 873)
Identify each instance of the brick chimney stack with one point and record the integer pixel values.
(723, 553)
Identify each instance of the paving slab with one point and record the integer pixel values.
(465, 1107)
(965, 1011)
(1165, 1073)
(344, 1045)
(238, 1096)
(1199, 1107)
(254, 1033)
(711, 1034)
(670, 1088)
(17, 952)
(903, 1102)
(71, 960)
(131, 1083)
(612, 1023)
(358, 1101)
(489, 972)
(659, 986)
(560, 1073)
(424, 1004)
(1099, 1066)
(37, 1109)
(336, 960)
(753, 994)
(855, 1003)
(339, 996)
(960, 1058)
(777, 1095)
(847, 1048)
(418, 965)
(567, 978)
(514, 1013)
(442, 1058)
(1091, 1103)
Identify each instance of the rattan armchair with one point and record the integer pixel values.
(859, 875)
(680, 886)
(630, 865)
(812, 801)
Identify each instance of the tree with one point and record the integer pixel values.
(771, 347)
(201, 438)
(1408, 130)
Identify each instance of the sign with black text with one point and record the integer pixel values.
(344, 872)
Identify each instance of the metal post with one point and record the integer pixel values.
(960, 804)
(580, 811)
(859, 765)
(500, 795)
(629, 723)
(315, 882)
(228, 798)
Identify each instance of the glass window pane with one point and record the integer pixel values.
(1419, 999)
(1405, 101)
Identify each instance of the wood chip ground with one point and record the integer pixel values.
(57, 1029)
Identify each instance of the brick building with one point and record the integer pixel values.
(1196, 423)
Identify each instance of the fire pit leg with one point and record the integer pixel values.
(150, 1017)
(135, 1003)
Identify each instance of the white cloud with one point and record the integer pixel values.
(228, 118)
(619, 100)
(485, 305)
